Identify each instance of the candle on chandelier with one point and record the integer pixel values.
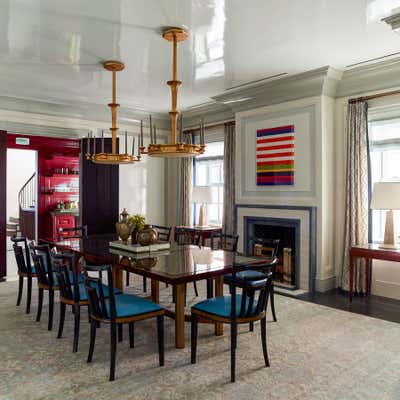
(133, 145)
(94, 144)
(126, 142)
(102, 141)
(138, 146)
(88, 143)
(140, 142)
(155, 135)
(151, 130)
(181, 128)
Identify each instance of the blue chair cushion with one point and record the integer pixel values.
(221, 305)
(106, 291)
(249, 274)
(129, 305)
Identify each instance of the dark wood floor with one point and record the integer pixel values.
(372, 306)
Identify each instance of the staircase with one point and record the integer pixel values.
(27, 208)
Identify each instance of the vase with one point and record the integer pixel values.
(123, 227)
(147, 236)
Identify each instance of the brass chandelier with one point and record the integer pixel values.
(114, 157)
(174, 148)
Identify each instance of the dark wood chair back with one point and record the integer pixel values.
(65, 263)
(20, 259)
(95, 293)
(255, 293)
(75, 232)
(221, 241)
(270, 244)
(182, 236)
(43, 264)
(24, 264)
(164, 232)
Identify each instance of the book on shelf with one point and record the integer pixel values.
(137, 248)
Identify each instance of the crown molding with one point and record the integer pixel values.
(371, 77)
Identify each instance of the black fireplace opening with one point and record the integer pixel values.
(259, 236)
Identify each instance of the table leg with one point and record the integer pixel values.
(180, 316)
(219, 291)
(351, 272)
(155, 291)
(118, 275)
(367, 275)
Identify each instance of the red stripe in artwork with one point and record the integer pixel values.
(272, 155)
(277, 147)
(272, 140)
(275, 178)
(262, 163)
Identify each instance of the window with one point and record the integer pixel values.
(209, 171)
(385, 165)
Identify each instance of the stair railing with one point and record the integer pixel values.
(27, 194)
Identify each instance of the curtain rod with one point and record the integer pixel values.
(217, 125)
(374, 96)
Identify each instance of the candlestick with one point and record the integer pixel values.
(151, 130)
(94, 144)
(102, 141)
(133, 145)
(138, 145)
(155, 134)
(126, 142)
(88, 143)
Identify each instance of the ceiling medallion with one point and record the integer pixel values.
(174, 148)
(114, 157)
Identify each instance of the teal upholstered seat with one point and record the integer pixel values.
(221, 305)
(128, 305)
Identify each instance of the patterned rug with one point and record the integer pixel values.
(315, 352)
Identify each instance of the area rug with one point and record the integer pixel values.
(315, 352)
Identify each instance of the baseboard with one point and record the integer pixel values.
(325, 284)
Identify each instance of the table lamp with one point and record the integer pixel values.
(202, 195)
(386, 196)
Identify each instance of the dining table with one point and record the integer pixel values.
(177, 266)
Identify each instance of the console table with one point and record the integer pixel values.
(203, 231)
(368, 252)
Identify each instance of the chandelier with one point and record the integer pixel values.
(176, 147)
(103, 157)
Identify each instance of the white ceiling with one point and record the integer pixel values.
(51, 50)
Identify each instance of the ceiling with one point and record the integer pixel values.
(51, 50)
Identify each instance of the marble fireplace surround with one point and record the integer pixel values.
(306, 216)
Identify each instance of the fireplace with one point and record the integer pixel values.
(259, 234)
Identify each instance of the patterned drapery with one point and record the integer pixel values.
(229, 179)
(357, 180)
(185, 185)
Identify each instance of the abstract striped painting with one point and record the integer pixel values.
(275, 151)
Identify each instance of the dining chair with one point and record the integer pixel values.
(183, 237)
(73, 232)
(164, 235)
(72, 292)
(243, 276)
(235, 309)
(220, 241)
(25, 269)
(116, 311)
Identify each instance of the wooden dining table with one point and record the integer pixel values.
(177, 266)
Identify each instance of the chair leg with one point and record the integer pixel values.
(194, 326)
(195, 289)
(40, 305)
(113, 343)
(264, 340)
(20, 289)
(210, 289)
(93, 326)
(29, 295)
(144, 284)
(120, 333)
(251, 326)
(160, 333)
(63, 307)
(51, 310)
(233, 351)
(272, 299)
(131, 335)
(77, 322)
(127, 278)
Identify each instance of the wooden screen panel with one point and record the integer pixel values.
(99, 193)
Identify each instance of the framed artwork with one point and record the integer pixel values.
(275, 153)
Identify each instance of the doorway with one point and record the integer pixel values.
(21, 200)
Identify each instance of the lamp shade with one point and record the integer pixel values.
(386, 196)
(202, 194)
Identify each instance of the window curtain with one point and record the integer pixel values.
(185, 185)
(229, 179)
(357, 192)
